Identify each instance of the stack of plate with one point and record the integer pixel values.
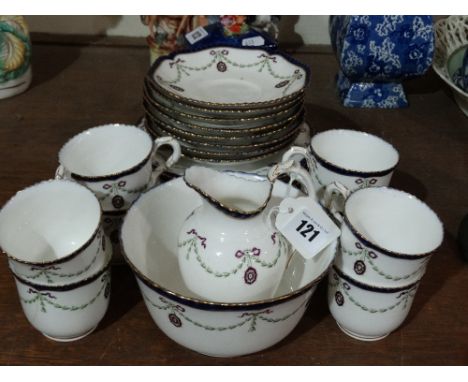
(226, 104)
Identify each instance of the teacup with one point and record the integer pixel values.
(115, 162)
(355, 159)
(66, 312)
(52, 234)
(388, 236)
(367, 312)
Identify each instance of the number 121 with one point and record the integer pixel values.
(306, 228)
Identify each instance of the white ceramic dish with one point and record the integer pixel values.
(451, 35)
(226, 141)
(241, 123)
(236, 127)
(150, 93)
(149, 241)
(229, 77)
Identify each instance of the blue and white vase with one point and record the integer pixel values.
(376, 53)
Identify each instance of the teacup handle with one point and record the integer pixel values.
(169, 141)
(334, 199)
(62, 173)
(297, 151)
(294, 170)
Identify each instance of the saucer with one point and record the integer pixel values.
(230, 77)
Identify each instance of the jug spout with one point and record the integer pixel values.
(232, 194)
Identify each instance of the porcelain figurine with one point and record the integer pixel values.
(376, 53)
(166, 33)
(239, 31)
(15, 56)
(228, 249)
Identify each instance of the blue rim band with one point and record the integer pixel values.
(375, 247)
(371, 288)
(342, 171)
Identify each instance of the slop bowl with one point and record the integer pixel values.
(149, 240)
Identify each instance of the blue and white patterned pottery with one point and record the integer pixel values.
(459, 63)
(376, 53)
(451, 39)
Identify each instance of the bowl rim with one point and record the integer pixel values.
(228, 105)
(216, 305)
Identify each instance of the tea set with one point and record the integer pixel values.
(212, 262)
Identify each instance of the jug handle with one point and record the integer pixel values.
(293, 169)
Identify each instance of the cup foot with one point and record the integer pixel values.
(69, 339)
(360, 337)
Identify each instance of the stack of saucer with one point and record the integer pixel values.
(226, 104)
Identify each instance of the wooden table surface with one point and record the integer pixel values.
(77, 87)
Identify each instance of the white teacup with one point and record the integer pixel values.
(355, 159)
(387, 236)
(367, 312)
(115, 162)
(67, 312)
(51, 233)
